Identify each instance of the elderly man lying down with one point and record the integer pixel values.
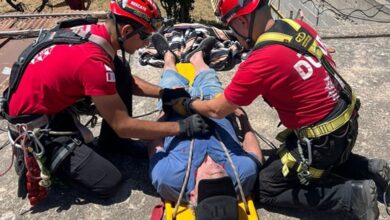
(212, 184)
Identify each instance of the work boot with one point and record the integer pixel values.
(380, 172)
(364, 205)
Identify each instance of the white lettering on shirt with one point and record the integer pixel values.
(42, 55)
(304, 69)
(329, 86)
(110, 75)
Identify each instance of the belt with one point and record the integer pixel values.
(289, 162)
(36, 123)
(330, 125)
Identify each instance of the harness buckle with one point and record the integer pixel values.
(304, 174)
(39, 151)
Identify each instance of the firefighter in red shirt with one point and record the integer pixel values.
(70, 62)
(292, 70)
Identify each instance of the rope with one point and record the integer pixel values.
(12, 162)
(263, 138)
(4, 144)
(235, 172)
(146, 114)
(185, 178)
(23, 139)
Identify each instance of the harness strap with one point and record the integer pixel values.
(291, 34)
(85, 132)
(96, 39)
(62, 153)
(31, 125)
(329, 126)
(289, 162)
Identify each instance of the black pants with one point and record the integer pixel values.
(84, 168)
(331, 192)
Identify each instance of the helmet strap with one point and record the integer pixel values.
(249, 39)
(121, 40)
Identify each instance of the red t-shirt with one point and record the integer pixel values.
(60, 75)
(297, 86)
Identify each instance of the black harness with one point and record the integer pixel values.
(291, 34)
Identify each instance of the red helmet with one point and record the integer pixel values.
(145, 12)
(226, 10)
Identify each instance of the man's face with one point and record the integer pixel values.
(239, 29)
(209, 169)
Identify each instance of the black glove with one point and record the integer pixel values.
(193, 126)
(182, 106)
(168, 95)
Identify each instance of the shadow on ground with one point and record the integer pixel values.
(62, 197)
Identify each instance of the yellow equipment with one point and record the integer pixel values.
(187, 70)
(184, 213)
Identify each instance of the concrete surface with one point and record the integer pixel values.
(329, 13)
(363, 62)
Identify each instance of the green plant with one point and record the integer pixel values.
(179, 10)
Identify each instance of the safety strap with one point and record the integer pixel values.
(62, 153)
(291, 34)
(329, 126)
(96, 39)
(31, 125)
(289, 162)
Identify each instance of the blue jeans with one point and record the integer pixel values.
(206, 84)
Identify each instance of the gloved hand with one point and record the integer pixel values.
(193, 126)
(182, 106)
(168, 95)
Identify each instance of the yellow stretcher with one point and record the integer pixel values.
(187, 70)
(184, 213)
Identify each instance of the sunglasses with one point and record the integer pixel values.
(143, 35)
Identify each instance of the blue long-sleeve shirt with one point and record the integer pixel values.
(167, 168)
